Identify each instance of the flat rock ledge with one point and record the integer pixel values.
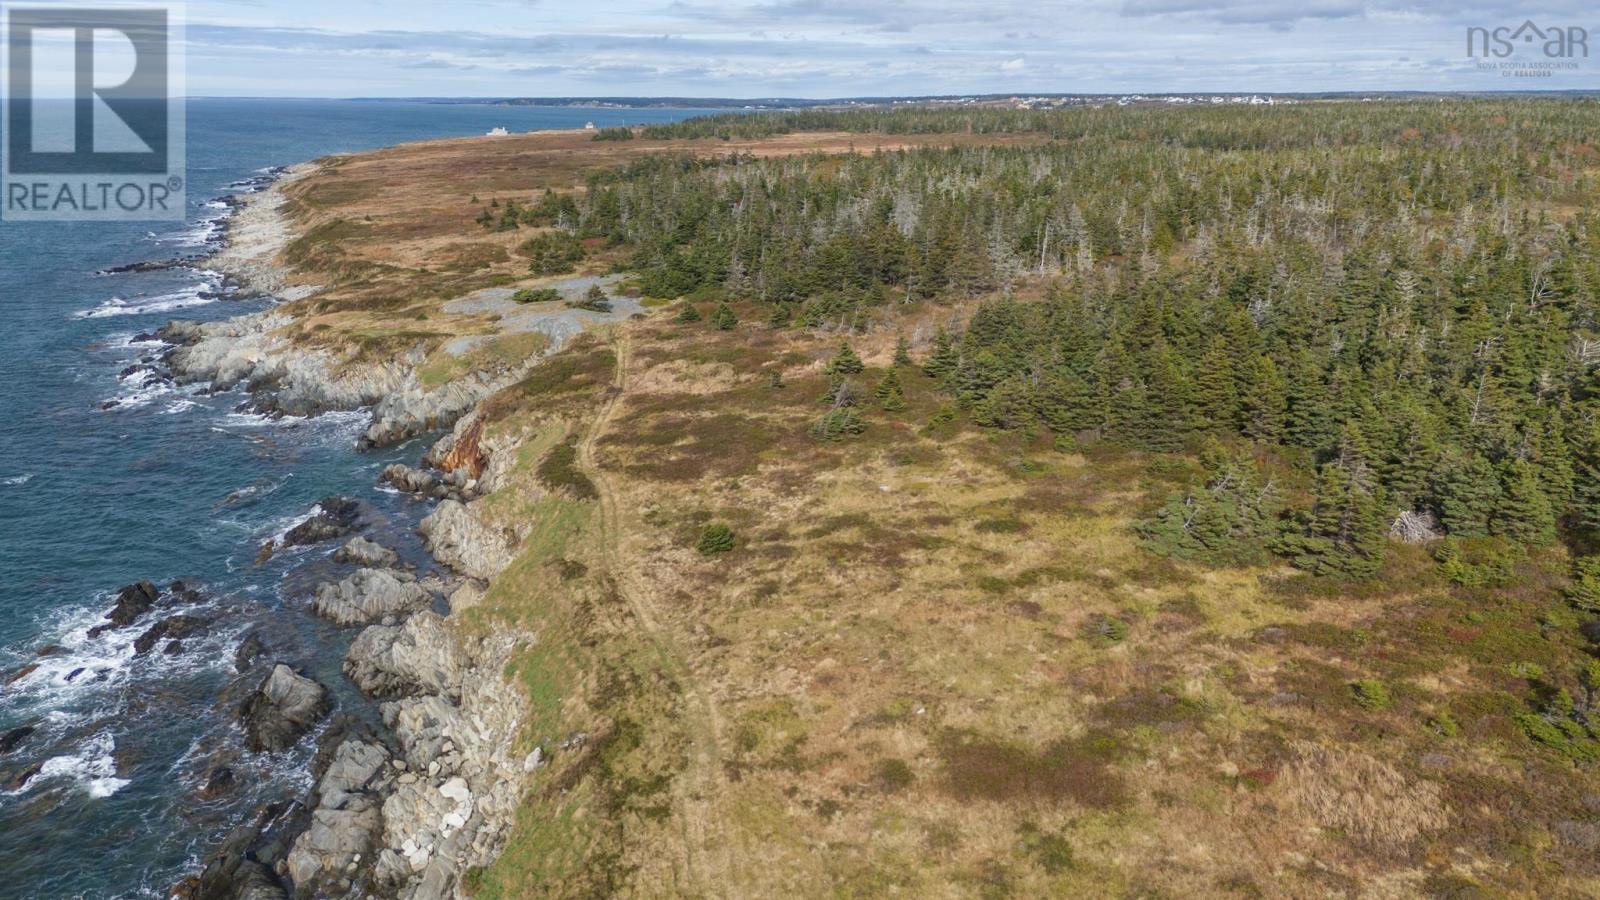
(371, 595)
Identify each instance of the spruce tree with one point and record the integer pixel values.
(846, 362)
(723, 318)
(1066, 404)
(689, 313)
(1230, 519)
(1466, 492)
(1586, 467)
(890, 393)
(1523, 512)
(1216, 396)
(1346, 532)
(1262, 404)
(945, 358)
(902, 351)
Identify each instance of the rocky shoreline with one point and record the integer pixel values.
(403, 811)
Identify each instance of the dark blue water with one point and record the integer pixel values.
(107, 480)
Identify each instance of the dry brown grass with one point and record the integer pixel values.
(1363, 797)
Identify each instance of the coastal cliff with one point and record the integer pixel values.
(402, 813)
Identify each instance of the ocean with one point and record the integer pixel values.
(109, 476)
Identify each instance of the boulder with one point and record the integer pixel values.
(431, 729)
(11, 739)
(335, 518)
(183, 592)
(17, 675)
(363, 552)
(371, 595)
(416, 657)
(18, 779)
(242, 868)
(282, 710)
(408, 480)
(174, 628)
(219, 782)
(249, 649)
(133, 601)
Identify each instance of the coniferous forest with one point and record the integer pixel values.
(1397, 301)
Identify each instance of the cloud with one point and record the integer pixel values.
(841, 48)
(1254, 12)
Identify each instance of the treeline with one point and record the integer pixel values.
(1404, 292)
(1320, 123)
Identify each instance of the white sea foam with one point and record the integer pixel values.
(17, 480)
(202, 294)
(177, 407)
(93, 767)
(141, 388)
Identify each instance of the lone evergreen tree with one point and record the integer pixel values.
(595, 300)
(723, 318)
(689, 313)
(714, 539)
(846, 362)
(902, 351)
(891, 395)
(838, 424)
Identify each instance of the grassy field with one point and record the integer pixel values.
(936, 661)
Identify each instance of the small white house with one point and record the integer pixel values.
(588, 126)
(498, 132)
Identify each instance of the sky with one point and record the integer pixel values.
(841, 48)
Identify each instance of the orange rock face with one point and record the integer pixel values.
(467, 453)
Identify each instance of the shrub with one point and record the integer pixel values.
(1479, 562)
(559, 472)
(536, 295)
(1370, 694)
(689, 313)
(714, 539)
(723, 318)
(1584, 592)
(892, 775)
(595, 300)
(838, 424)
(552, 253)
